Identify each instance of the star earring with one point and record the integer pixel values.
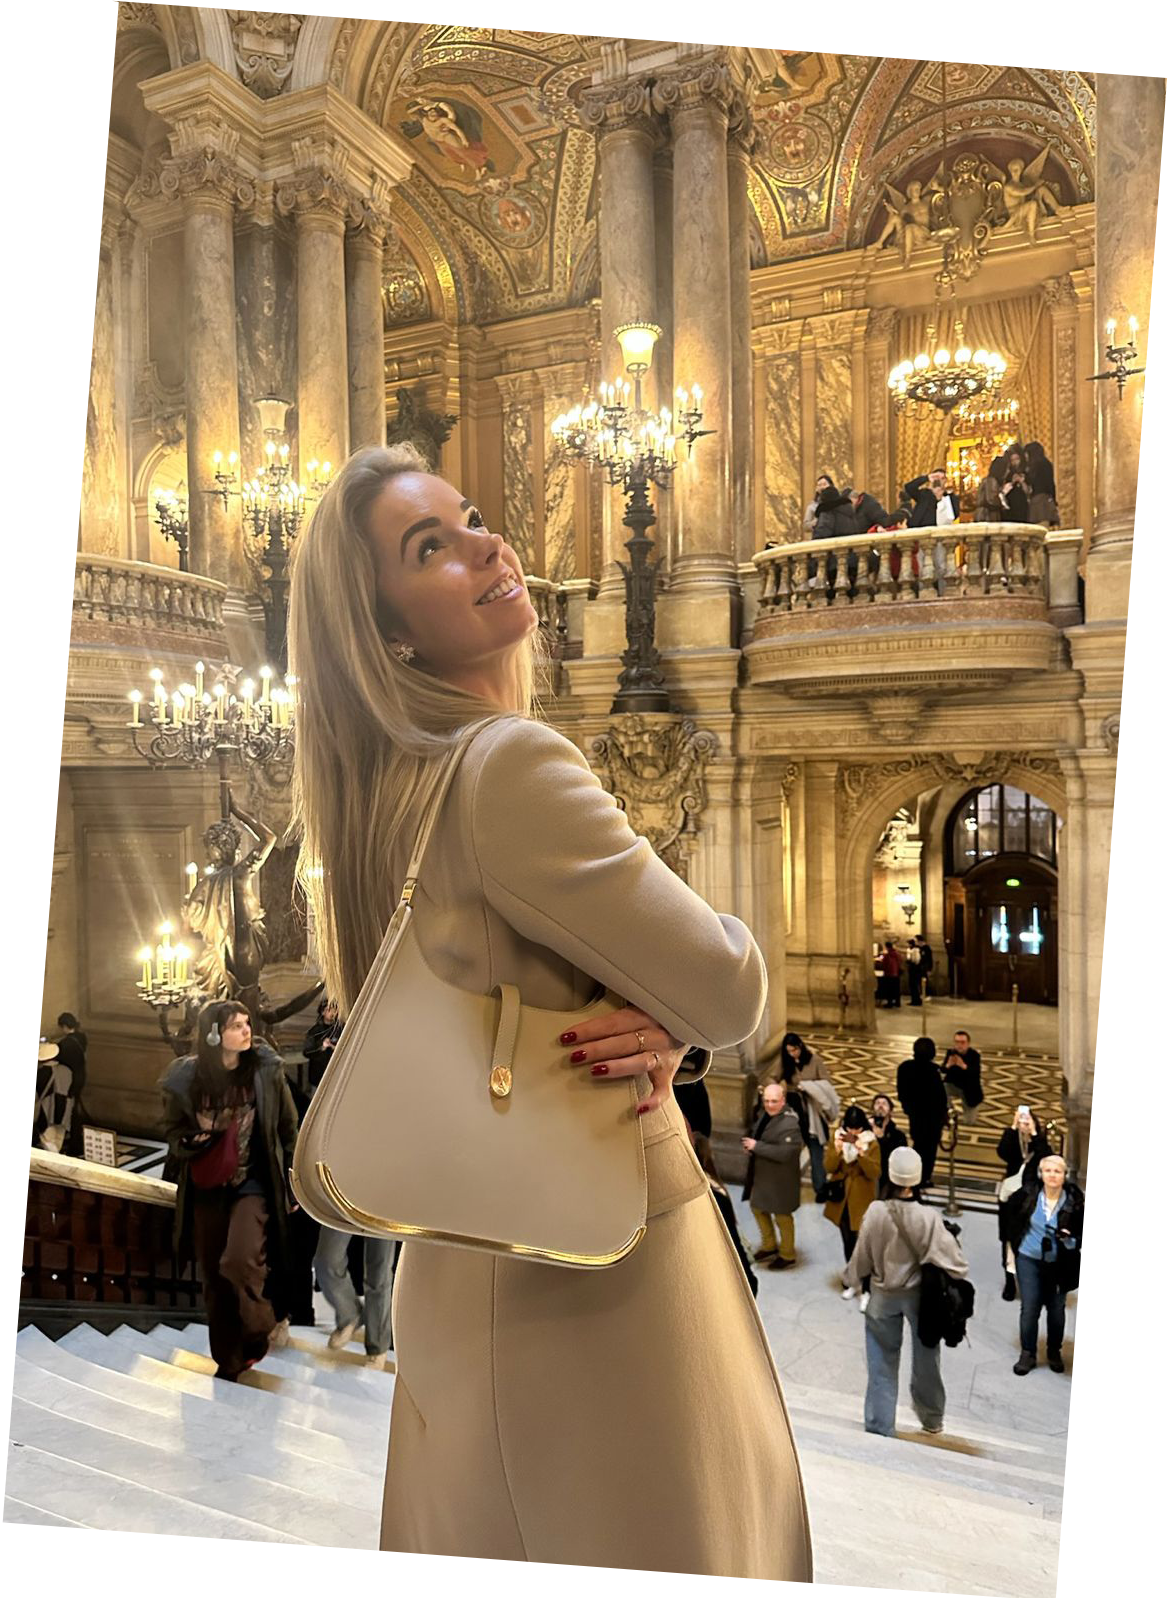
(402, 652)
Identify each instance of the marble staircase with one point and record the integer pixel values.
(129, 1431)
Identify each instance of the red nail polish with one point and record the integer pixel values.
(599, 1070)
(642, 1108)
(568, 1037)
(577, 1056)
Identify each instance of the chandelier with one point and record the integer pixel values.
(986, 423)
(170, 508)
(945, 379)
(627, 442)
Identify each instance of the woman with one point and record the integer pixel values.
(988, 506)
(1041, 484)
(854, 1157)
(811, 1094)
(897, 1237)
(320, 1041)
(1016, 495)
(772, 1186)
(230, 1123)
(890, 984)
(923, 1098)
(539, 1413)
(888, 1134)
(1045, 1228)
(1020, 1148)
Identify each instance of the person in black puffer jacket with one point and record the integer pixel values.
(1045, 1228)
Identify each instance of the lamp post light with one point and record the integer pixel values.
(634, 448)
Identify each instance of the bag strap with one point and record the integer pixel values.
(430, 817)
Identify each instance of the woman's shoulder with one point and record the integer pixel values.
(518, 741)
(176, 1077)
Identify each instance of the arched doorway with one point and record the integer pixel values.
(1002, 896)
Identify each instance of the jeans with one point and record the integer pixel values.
(1038, 1291)
(816, 1162)
(332, 1270)
(884, 1318)
(786, 1247)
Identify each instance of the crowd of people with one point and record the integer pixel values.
(231, 1115)
(901, 1258)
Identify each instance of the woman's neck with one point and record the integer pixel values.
(230, 1059)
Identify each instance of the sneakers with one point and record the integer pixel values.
(375, 1362)
(1010, 1289)
(779, 1263)
(849, 1292)
(344, 1334)
(762, 1255)
(1055, 1362)
(864, 1303)
(1025, 1363)
(279, 1335)
(933, 1431)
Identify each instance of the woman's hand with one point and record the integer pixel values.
(627, 1043)
(749, 1144)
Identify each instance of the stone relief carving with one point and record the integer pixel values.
(203, 156)
(265, 43)
(417, 424)
(320, 180)
(856, 785)
(895, 716)
(656, 772)
(1110, 733)
(131, 15)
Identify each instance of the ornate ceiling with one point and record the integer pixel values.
(498, 218)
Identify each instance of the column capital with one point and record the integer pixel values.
(619, 108)
(1060, 292)
(711, 80)
(370, 223)
(203, 164)
(319, 188)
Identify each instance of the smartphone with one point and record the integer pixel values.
(1024, 1109)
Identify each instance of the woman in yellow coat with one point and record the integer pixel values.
(629, 1416)
(852, 1159)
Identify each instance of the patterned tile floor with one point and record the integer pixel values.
(862, 1066)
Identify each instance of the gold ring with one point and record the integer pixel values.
(640, 1036)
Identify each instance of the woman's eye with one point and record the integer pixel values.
(428, 546)
(475, 519)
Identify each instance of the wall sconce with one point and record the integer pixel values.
(1120, 355)
(904, 897)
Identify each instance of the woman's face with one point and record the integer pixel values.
(329, 1013)
(455, 591)
(793, 1052)
(1054, 1173)
(236, 1034)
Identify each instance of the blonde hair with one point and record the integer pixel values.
(372, 733)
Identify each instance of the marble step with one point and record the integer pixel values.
(215, 1480)
(104, 1502)
(216, 1433)
(249, 1393)
(18, 1514)
(355, 1379)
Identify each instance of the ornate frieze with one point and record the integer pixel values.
(655, 768)
(858, 784)
(265, 44)
(611, 108)
(203, 163)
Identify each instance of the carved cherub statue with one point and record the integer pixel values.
(909, 218)
(1027, 197)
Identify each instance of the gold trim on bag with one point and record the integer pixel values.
(403, 1229)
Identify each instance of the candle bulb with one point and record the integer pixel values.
(199, 678)
(147, 970)
(192, 874)
(1110, 327)
(1132, 328)
(220, 701)
(135, 701)
(265, 682)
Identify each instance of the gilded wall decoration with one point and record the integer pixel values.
(834, 415)
(1067, 391)
(559, 495)
(782, 485)
(656, 771)
(517, 480)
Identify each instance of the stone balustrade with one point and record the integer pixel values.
(968, 561)
(548, 603)
(156, 600)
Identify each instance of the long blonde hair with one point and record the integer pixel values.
(372, 733)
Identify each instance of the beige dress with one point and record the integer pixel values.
(629, 1416)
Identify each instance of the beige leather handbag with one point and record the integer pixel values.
(454, 1117)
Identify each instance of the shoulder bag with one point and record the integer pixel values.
(946, 1302)
(455, 1118)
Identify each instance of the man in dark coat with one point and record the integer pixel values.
(71, 1046)
(923, 1098)
(926, 492)
(868, 510)
(772, 1187)
(962, 1070)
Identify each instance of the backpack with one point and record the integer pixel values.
(947, 1302)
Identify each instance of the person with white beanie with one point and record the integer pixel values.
(897, 1237)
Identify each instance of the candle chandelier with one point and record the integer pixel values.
(166, 979)
(991, 427)
(635, 447)
(171, 511)
(943, 379)
(274, 507)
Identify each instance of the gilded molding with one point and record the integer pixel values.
(656, 771)
(856, 785)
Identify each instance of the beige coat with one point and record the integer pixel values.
(631, 1416)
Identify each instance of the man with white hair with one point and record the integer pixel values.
(897, 1237)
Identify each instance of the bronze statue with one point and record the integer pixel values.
(224, 908)
(962, 211)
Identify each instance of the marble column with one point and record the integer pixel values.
(212, 374)
(320, 202)
(625, 154)
(697, 100)
(365, 325)
(102, 487)
(739, 149)
(663, 180)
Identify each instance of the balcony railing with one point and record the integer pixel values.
(968, 561)
(129, 593)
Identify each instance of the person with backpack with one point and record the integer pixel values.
(899, 1241)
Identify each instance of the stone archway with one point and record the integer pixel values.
(868, 795)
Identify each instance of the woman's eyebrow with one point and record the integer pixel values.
(426, 523)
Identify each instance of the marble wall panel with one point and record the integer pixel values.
(834, 452)
(101, 497)
(784, 491)
(131, 878)
(517, 482)
(559, 504)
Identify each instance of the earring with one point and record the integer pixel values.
(213, 1037)
(402, 652)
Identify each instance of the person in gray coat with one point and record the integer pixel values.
(772, 1187)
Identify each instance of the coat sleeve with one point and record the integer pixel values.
(869, 1160)
(559, 861)
(779, 1153)
(288, 1122)
(833, 1158)
(179, 1126)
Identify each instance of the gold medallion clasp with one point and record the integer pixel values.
(501, 1081)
